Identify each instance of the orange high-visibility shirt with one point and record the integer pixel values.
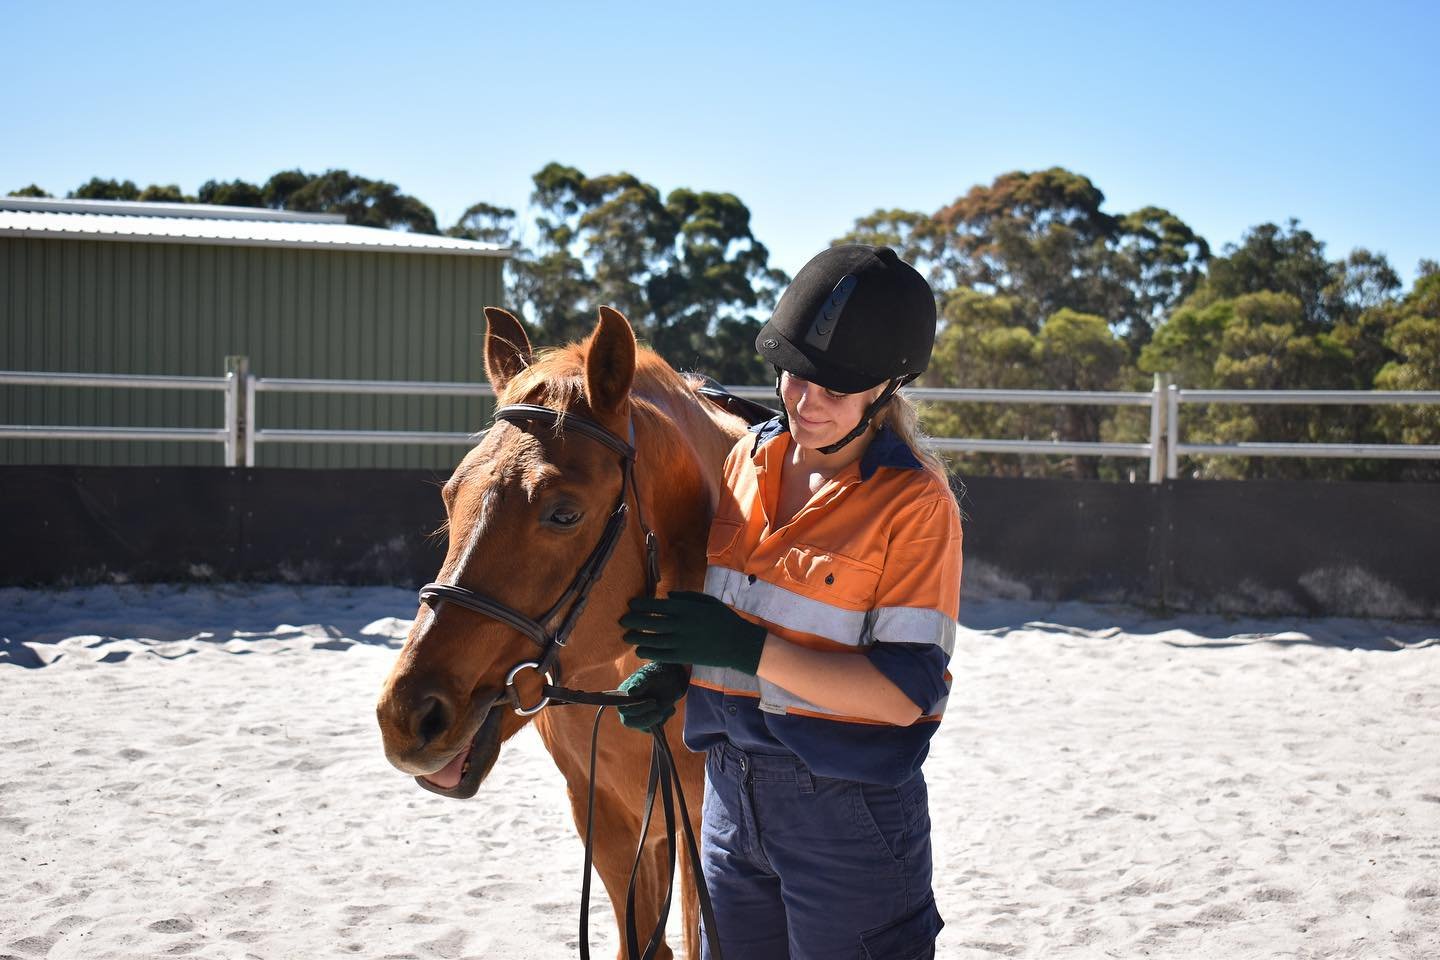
(870, 566)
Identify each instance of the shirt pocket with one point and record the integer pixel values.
(826, 575)
(723, 535)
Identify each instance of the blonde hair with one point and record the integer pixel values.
(901, 416)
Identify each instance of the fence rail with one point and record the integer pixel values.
(228, 433)
(1175, 447)
(409, 388)
(241, 431)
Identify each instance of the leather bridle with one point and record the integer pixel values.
(664, 778)
(577, 593)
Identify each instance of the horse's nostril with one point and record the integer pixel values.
(434, 720)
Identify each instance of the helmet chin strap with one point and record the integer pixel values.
(784, 414)
(866, 417)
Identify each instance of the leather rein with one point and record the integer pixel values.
(664, 778)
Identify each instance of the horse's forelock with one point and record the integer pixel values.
(554, 379)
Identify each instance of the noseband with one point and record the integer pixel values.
(577, 593)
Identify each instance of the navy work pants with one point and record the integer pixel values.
(804, 867)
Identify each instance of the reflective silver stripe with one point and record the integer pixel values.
(776, 699)
(773, 697)
(785, 608)
(725, 678)
(913, 625)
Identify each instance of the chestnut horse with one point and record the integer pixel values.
(525, 508)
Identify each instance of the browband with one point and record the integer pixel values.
(518, 413)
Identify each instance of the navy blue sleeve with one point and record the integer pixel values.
(918, 669)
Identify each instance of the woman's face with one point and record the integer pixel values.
(819, 417)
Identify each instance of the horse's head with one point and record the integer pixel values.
(525, 509)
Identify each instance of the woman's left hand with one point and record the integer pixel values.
(690, 627)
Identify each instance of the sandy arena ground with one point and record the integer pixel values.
(196, 772)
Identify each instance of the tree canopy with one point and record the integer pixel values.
(1043, 239)
(1041, 287)
(685, 268)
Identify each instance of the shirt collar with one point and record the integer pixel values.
(765, 431)
(887, 449)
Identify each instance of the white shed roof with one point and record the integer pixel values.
(125, 220)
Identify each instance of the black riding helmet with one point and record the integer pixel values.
(854, 317)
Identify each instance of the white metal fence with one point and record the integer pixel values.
(255, 434)
(242, 431)
(227, 433)
(1387, 451)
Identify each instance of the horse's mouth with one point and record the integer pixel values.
(462, 776)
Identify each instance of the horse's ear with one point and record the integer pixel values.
(609, 362)
(507, 349)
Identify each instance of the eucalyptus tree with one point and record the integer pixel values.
(685, 268)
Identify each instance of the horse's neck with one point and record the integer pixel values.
(701, 433)
(678, 473)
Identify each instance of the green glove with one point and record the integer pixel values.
(689, 627)
(664, 684)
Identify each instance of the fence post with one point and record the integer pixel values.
(1172, 419)
(232, 435)
(1159, 429)
(252, 426)
(237, 369)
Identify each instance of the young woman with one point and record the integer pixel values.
(818, 651)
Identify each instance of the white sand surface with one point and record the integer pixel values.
(197, 772)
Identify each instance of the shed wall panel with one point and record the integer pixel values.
(94, 306)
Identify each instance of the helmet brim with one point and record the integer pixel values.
(777, 349)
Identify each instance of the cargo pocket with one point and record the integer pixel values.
(911, 938)
(826, 575)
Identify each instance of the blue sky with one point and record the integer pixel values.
(813, 114)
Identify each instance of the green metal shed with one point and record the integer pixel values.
(116, 287)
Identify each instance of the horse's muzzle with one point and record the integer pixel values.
(480, 756)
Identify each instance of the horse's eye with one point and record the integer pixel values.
(563, 517)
